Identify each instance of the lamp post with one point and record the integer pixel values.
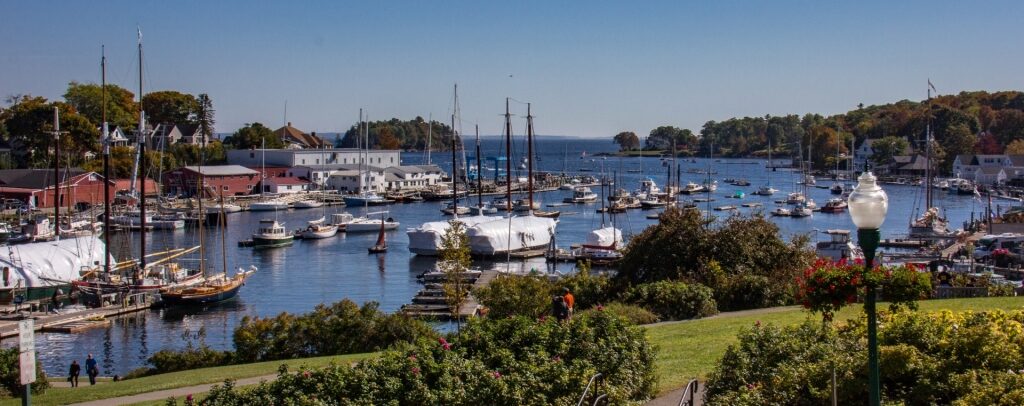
(868, 205)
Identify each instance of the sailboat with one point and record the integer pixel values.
(214, 288)
(931, 224)
(767, 189)
(267, 202)
(453, 208)
(481, 207)
(601, 245)
(366, 196)
(382, 244)
(533, 205)
(516, 233)
(837, 188)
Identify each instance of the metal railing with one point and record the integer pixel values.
(595, 382)
(691, 389)
(603, 397)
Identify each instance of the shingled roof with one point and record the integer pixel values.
(293, 135)
(34, 178)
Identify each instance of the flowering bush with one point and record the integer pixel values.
(827, 286)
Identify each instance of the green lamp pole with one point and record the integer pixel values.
(868, 204)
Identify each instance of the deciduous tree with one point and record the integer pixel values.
(454, 261)
(627, 140)
(87, 99)
(169, 106)
(886, 148)
(252, 136)
(1015, 148)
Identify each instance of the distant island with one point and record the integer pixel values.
(976, 122)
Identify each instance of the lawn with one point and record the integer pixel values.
(691, 348)
(63, 396)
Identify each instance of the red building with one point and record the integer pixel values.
(35, 187)
(229, 180)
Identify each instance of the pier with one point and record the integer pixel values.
(69, 322)
(430, 302)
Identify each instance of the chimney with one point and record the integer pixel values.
(289, 123)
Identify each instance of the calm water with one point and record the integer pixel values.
(297, 278)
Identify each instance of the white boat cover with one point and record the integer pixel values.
(510, 235)
(52, 263)
(426, 239)
(604, 237)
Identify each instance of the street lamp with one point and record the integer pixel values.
(868, 205)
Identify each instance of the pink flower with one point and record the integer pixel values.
(556, 359)
(600, 308)
(444, 343)
(305, 374)
(188, 398)
(416, 370)
(496, 374)
(758, 323)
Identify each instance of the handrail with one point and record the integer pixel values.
(604, 397)
(587, 388)
(691, 389)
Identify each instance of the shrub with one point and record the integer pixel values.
(10, 374)
(631, 313)
(588, 290)
(937, 358)
(673, 300)
(341, 328)
(164, 361)
(513, 295)
(512, 361)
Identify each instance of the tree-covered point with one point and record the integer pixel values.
(398, 134)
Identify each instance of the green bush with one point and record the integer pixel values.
(588, 290)
(673, 300)
(632, 313)
(10, 374)
(341, 328)
(511, 361)
(513, 295)
(164, 361)
(938, 358)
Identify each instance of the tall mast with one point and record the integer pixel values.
(479, 174)
(928, 153)
(508, 159)
(56, 172)
(199, 199)
(430, 134)
(455, 173)
(142, 167)
(529, 156)
(359, 142)
(106, 164)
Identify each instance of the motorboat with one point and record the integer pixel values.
(342, 220)
(692, 188)
(834, 205)
(271, 233)
(582, 194)
(269, 205)
(367, 224)
(522, 205)
(647, 188)
(482, 209)
(224, 208)
(741, 182)
(801, 210)
(781, 212)
(839, 247)
(711, 187)
(451, 209)
(366, 199)
(307, 204)
(318, 229)
(765, 191)
(795, 198)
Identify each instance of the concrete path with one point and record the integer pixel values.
(178, 393)
(672, 398)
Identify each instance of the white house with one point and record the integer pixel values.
(967, 165)
(290, 158)
(345, 179)
(862, 155)
(989, 175)
(165, 135)
(412, 176)
(284, 185)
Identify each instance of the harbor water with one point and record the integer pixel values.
(297, 278)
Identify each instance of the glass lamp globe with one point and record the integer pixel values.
(868, 203)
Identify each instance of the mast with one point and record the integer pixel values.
(529, 157)
(106, 164)
(199, 199)
(222, 222)
(430, 134)
(142, 167)
(56, 172)
(359, 138)
(770, 168)
(508, 159)
(928, 153)
(479, 174)
(455, 173)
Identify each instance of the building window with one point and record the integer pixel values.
(224, 188)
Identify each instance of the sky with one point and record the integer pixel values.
(589, 68)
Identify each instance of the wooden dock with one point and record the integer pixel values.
(430, 302)
(73, 322)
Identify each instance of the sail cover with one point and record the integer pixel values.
(603, 237)
(53, 263)
(510, 235)
(426, 239)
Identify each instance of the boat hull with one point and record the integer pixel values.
(261, 242)
(201, 299)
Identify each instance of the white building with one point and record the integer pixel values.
(345, 179)
(412, 176)
(862, 155)
(285, 185)
(291, 158)
(988, 175)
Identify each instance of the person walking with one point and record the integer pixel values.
(91, 369)
(558, 308)
(73, 373)
(570, 301)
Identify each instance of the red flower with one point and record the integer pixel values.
(444, 343)
(416, 370)
(496, 375)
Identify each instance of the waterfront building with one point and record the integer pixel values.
(345, 179)
(412, 177)
(167, 134)
(230, 180)
(284, 185)
(35, 187)
(291, 158)
(297, 139)
(970, 166)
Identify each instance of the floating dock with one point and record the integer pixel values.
(71, 322)
(430, 302)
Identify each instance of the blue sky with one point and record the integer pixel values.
(590, 68)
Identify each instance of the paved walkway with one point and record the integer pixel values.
(672, 398)
(178, 393)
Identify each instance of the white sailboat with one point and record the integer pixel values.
(767, 189)
(267, 202)
(365, 196)
(931, 224)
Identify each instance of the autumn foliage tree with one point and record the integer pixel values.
(627, 140)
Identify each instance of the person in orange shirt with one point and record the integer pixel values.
(570, 301)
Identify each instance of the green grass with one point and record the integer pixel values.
(63, 396)
(690, 349)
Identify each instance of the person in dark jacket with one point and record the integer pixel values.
(91, 369)
(559, 309)
(73, 373)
